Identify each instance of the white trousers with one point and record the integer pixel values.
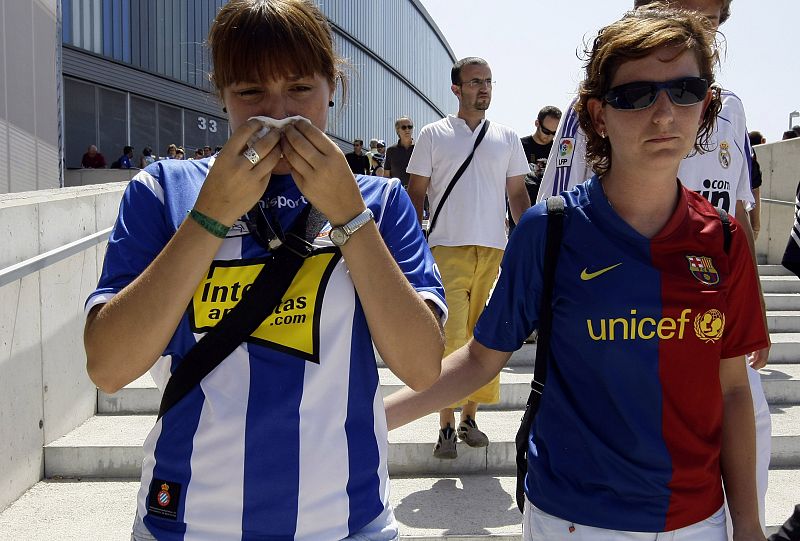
(763, 445)
(540, 526)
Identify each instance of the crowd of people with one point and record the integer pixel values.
(94, 159)
(279, 271)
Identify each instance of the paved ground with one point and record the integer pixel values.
(469, 507)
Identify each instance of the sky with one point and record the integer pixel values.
(533, 57)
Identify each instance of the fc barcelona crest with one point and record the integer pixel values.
(702, 268)
(724, 155)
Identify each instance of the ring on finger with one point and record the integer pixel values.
(251, 154)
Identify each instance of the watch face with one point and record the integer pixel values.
(338, 236)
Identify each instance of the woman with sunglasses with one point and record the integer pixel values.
(646, 412)
(286, 437)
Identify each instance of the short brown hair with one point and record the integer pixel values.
(635, 36)
(399, 120)
(268, 39)
(724, 15)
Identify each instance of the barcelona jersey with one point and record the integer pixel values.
(628, 433)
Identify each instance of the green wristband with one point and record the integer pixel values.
(209, 224)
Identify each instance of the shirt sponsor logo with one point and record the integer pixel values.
(566, 149)
(292, 327)
(702, 268)
(717, 192)
(707, 326)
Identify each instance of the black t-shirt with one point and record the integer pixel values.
(397, 157)
(358, 164)
(536, 155)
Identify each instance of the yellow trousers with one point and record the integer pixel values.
(468, 274)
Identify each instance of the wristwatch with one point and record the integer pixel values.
(339, 235)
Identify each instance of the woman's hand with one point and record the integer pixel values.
(234, 184)
(320, 171)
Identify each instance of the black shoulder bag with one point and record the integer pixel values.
(457, 176)
(555, 229)
(260, 300)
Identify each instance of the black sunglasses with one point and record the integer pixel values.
(545, 130)
(406, 127)
(643, 94)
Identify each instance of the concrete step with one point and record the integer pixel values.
(110, 446)
(781, 386)
(783, 321)
(782, 301)
(780, 284)
(458, 508)
(785, 348)
(774, 270)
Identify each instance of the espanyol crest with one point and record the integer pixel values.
(702, 268)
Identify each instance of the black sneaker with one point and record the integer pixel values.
(469, 433)
(445, 447)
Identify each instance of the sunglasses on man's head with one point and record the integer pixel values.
(407, 127)
(643, 94)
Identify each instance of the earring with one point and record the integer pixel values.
(331, 104)
(603, 134)
(224, 109)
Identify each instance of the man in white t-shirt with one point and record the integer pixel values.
(468, 236)
(721, 175)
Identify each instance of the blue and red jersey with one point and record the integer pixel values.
(628, 433)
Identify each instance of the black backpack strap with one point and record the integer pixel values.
(555, 231)
(457, 176)
(260, 300)
(726, 228)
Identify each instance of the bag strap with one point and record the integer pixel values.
(555, 232)
(726, 228)
(260, 300)
(457, 176)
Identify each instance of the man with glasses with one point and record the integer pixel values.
(722, 175)
(397, 155)
(468, 237)
(357, 160)
(537, 149)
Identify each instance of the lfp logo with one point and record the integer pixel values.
(566, 148)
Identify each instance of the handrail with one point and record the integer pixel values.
(778, 202)
(37, 263)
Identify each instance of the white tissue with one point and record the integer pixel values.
(270, 123)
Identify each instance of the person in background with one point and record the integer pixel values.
(537, 150)
(377, 158)
(470, 235)
(286, 437)
(172, 151)
(646, 413)
(180, 153)
(126, 160)
(790, 134)
(198, 154)
(357, 160)
(92, 159)
(397, 155)
(756, 179)
(207, 152)
(146, 158)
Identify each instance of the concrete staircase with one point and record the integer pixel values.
(465, 499)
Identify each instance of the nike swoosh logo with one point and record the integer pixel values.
(585, 275)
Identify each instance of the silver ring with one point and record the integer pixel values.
(252, 155)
